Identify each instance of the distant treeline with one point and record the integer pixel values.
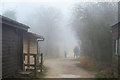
(92, 26)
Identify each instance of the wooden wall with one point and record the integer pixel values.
(115, 58)
(32, 47)
(0, 49)
(12, 51)
(33, 44)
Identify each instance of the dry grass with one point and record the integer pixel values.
(103, 70)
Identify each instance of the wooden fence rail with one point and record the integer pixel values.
(35, 61)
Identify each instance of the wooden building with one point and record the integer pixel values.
(17, 43)
(30, 50)
(116, 47)
(12, 46)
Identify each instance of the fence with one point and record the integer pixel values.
(33, 62)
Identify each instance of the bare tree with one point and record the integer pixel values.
(10, 14)
(91, 23)
(46, 21)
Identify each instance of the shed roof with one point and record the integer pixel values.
(13, 23)
(114, 25)
(34, 35)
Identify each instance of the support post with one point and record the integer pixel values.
(41, 61)
(35, 56)
(28, 52)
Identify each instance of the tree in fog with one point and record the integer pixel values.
(46, 21)
(10, 14)
(92, 25)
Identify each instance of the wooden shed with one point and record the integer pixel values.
(116, 47)
(30, 50)
(12, 46)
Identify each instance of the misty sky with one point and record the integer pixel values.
(25, 9)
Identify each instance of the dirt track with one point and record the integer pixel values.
(65, 68)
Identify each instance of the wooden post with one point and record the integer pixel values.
(41, 61)
(35, 56)
(23, 62)
(118, 67)
(28, 52)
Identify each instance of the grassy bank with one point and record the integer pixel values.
(101, 70)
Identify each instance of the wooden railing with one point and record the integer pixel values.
(36, 64)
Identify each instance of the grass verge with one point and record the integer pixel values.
(101, 70)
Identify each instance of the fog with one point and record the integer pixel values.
(67, 25)
(51, 20)
(77, 34)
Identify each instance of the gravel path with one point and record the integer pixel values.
(65, 68)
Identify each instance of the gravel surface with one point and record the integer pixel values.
(65, 68)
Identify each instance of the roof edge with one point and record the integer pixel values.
(35, 35)
(8, 21)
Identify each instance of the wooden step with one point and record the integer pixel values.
(25, 73)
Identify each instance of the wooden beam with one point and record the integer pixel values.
(30, 65)
(35, 66)
(28, 51)
(30, 54)
(41, 61)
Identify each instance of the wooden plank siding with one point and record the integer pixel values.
(12, 51)
(33, 44)
(12, 46)
(0, 49)
(29, 48)
(15, 42)
(115, 58)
